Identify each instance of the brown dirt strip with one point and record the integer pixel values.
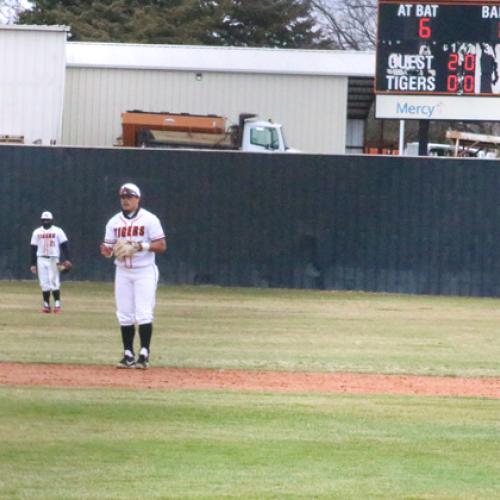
(84, 376)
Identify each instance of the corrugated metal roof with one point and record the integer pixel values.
(220, 59)
(34, 27)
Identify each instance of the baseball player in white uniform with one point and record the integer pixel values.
(133, 236)
(49, 245)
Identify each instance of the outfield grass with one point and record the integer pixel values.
(262, 329)
(117, 444)
(100, 444)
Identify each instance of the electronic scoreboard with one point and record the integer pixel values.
(438, 60)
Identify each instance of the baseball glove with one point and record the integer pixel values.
(64, 267)
(124, 248)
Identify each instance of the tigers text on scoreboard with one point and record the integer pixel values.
(443, 48)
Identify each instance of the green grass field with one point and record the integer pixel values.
(107, 444)
(262, 329)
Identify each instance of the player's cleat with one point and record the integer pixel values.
(57, 309)
(46, 308)
(126, 362)
(142, 362)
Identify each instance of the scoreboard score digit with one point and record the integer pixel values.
(448, 47)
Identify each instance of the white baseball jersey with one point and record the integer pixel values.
(48, 241)
(144, 227)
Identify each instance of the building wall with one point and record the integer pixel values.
(355, 136)
(32, 83)
(311, 108)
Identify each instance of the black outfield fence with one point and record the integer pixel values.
(370, 223)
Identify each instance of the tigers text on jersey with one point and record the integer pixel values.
(145, 227)
(48, 241)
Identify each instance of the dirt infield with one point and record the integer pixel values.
(20, 374)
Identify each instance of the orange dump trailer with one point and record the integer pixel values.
(136, 126)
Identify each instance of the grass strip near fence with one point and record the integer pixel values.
(262, 329)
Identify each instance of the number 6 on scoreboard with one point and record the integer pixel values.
(424, 30)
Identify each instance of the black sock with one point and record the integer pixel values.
(128, 333)
(56, 294)
(46, 297)
(145, 333)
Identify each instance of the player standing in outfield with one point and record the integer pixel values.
(49, 245)
(134, 236)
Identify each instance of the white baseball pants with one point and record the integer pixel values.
(48, 274)
(135, 294)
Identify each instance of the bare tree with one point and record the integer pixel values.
(350, 24)
(10, 10)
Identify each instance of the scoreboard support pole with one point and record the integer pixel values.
(423, 137)
(401, 145)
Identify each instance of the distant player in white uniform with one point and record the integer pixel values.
(136, 274)
(49, 246)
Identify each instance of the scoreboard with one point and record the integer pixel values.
(438, 60)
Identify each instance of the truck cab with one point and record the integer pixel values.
(266, 137)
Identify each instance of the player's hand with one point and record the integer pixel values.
(125, 248)
(106, 251)
(64, 267)
(33, 269)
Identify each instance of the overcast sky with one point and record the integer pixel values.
(8, 9)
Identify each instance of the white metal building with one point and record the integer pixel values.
(32, 62)
(320, 96)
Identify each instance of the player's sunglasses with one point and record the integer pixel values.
(128, 196)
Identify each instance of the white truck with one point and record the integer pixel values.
(437, 149)
(184, 130)
(465, 145)
(486, 146)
